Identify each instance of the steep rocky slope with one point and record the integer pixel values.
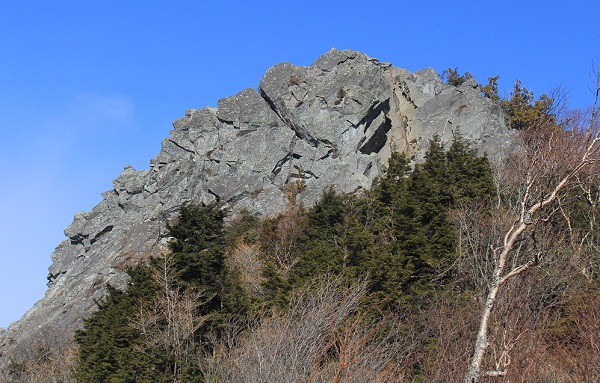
(306, 128)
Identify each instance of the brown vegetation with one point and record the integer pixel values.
(318, 339)
(50, 358)
(551, 182)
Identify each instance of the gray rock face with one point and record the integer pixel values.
(335, 122)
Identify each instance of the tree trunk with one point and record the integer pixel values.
(481, 343)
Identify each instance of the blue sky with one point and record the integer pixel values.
(87, 87)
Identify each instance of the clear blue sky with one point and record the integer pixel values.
(87, 87)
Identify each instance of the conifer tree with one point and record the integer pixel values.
(111, 347)
(429, 189)
(392, 184)
(322, 249)
(107, 345)
(524, 111)
(469, 176)
(198, 246)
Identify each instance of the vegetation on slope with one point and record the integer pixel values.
(390, 285)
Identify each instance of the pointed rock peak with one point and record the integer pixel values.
(128, 169)
(336, 57)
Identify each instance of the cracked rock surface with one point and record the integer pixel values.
(335, 122)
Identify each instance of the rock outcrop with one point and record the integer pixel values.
(335, 122)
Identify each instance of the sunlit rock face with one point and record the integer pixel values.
(334, 123)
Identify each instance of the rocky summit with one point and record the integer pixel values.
(333, 123)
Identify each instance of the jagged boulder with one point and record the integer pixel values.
(335, 122)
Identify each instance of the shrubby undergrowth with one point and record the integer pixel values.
(386, 285)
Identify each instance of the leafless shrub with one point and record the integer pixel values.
(171, 320)
(282, 243)
(50, 358)
(245, 258)
(572, 355)
(318, 339)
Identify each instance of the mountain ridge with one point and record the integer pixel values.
(333, 123)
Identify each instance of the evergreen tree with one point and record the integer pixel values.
(454, 78)
(423, 238)
(322, 250)
(469, 175)
(490, 90)
(392, 184)
(429, 193)
(111, 349)
(524, 111)
(108, 344)
(198, 246)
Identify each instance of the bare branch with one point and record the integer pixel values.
(554, 159)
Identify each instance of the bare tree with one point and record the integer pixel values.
(282, 241)
(245, 258)
(170, 322)
(554, 168)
